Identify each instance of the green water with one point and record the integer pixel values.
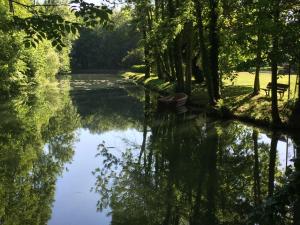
(102, 153)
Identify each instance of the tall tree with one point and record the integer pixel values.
(214, 48)
(274, 61)
(258, 60)
(203, 49)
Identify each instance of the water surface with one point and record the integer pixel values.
(103, 154)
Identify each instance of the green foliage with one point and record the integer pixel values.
(110, 48)
(36, 39)
(36, 140)
(34, 62)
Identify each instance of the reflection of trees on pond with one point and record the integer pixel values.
(107, 109)
(28, 170)
(193, 171)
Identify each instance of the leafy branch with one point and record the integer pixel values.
(54, 27)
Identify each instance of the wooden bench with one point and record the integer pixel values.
(281, 88)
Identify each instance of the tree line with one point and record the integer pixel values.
(205, 39)
(214, 38)
(115, 47)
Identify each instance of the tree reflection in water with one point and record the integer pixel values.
(199, 171)
(28, 170)
(187, 169)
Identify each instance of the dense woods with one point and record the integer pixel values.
(115, 47)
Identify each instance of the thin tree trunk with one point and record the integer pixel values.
(179, 63)
(159, 70)
(272, 164)
(189, 57)
(214, 49)
(257, 72)
(212, 178)
(166, 66)
(289, 93)
(204, 52)
(196, 71)
(145, 124)
(147, 56)
(274, 62)
(256, 89)
(299, 83)
(171, 60)
(11, 6)
(297, 188)
(257, 190)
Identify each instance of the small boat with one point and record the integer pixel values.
(176, 100)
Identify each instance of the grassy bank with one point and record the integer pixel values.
(237, 102)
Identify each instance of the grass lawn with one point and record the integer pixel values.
(238, 99)
(237, 95)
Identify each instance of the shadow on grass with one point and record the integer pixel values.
(241, 98)
(259, 108)
(233, 91)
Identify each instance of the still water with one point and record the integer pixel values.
(102, 153)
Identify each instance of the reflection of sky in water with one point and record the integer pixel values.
(75, 204)
(284, 155)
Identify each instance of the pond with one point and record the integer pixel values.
(103, 153)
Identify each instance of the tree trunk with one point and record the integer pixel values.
(196, 71)
(257, 191)
(159, 70)
(297, 188)
(299, 83)
(274, 62)
(204, 52)
(272, 165)
(189, 57)
(256, 88)
(172, 61)
(147, 62)
(166, 66)
(11, 6)
(145, 124)
(179, 63)
(212, 178)
(257, 72)
(170, 8)
(214, 49)
(147, 56)
(289, 93)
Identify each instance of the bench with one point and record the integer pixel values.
(281, 88)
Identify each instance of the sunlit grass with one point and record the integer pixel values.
(238, 98)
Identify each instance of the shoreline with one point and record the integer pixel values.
(221, 112)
